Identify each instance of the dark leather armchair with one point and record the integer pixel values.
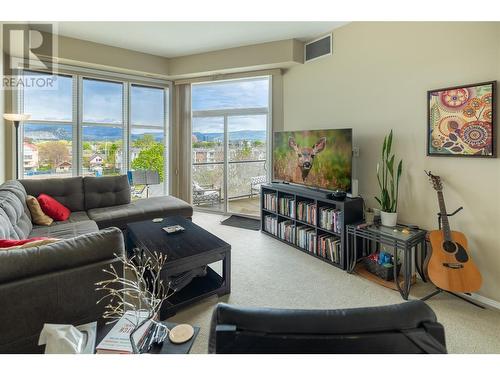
(407, 328)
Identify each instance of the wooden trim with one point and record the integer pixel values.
(229, 76)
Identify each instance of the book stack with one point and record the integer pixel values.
(307, 212)
(306, 238)
(271, 224)
(287, 206)
(330, 219)
(270, 201)
(117, 341)
(329, 247)
(287, 231)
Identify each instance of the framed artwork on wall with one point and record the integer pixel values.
(461, 121)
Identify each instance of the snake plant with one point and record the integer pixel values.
(388, 181)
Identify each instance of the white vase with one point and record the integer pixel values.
(389, 219)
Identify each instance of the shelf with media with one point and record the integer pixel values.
(308, 221)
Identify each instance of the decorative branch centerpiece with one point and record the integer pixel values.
(138, 297)
(388, 182)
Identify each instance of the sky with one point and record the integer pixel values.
(102, 103)
(230, 95)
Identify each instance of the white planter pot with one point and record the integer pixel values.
(389, 219)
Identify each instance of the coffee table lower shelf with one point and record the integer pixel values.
(199, 288)
(360, 270)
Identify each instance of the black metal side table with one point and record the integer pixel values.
(361, 241)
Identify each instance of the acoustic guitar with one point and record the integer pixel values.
(450, 265)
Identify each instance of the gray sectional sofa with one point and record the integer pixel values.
(54, 283)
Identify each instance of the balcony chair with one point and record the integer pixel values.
(255, 184)
(204, 194)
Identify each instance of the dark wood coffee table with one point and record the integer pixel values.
(185, 251)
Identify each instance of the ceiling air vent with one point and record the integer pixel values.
(318, 48)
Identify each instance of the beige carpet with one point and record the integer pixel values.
(266, 272)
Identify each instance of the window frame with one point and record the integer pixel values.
(127, 80)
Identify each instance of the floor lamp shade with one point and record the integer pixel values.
(16, 118)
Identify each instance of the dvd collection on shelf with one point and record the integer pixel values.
(306, 212)
(287, 231)
(306, 239)
(304, 236)
(287, 206)
(271, 224)
(270, 201)
(330, 219)
(329, 247)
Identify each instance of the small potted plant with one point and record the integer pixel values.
(388, 182)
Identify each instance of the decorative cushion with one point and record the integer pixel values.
(27, 243)
(37, 215)
(66, 190)
(53, 208)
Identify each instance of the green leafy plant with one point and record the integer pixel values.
(388, 181)
(150, 158)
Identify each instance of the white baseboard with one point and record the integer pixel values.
(483, 300)
(476, 298)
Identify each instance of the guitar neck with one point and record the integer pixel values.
(444, 218)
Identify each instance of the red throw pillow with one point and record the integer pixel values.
(10, 243)
(53, 208)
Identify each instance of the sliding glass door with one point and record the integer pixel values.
(230, 130)
(247, 155)
(208, 158)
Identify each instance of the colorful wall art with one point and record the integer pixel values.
(461, 121)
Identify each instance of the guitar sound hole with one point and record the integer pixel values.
(453, 247)
(449, 246)
(461, 255)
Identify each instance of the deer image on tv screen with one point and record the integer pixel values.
(306, 156)
(319, 158)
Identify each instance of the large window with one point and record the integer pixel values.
(103, 123)
(148, 133)
(229, 144)
(89, 126)
(48, 136)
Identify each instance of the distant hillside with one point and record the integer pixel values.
(91, 133)
(105, 133)
(250, 135)
(48, 132)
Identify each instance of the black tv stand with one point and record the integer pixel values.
(351, 211)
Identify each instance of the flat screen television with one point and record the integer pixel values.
(316, 158)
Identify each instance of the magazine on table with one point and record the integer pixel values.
(117, 341)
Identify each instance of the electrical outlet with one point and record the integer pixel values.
(355, 151)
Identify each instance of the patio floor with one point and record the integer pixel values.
(245, 206)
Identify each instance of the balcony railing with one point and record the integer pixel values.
(239, 179)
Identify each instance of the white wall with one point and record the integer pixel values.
(376, 80)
